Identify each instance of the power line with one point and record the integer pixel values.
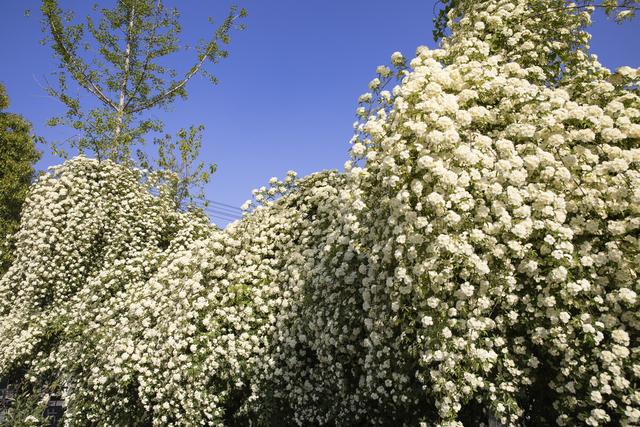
(224, 210)
(218, 220)
(222, 217)
(224, 205)
(222, 214)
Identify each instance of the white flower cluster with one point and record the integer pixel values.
(501, 225)
(479, 255)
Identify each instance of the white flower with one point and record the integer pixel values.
(426, 321)
(397, 58)
(383, 71)
(503, 207)
(358, 149)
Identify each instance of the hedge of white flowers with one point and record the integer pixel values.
(479, 255)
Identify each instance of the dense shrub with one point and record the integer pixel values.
(479, 255)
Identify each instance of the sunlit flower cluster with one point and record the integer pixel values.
(500, 222)
(479, 255)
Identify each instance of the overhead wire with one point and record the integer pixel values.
(229, 216)
(223, 206)
(235, 208)
(222, 212)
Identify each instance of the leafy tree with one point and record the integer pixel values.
(119, 60)
(17, 157)
(186, 175)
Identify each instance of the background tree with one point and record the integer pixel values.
(186, 175)
(17, 157)
(118, 59)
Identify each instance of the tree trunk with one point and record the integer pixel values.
(125, 75)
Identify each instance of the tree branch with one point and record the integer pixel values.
(71, 60)
(145, 65)
(176, 87)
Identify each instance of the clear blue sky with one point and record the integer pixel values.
(287, 92)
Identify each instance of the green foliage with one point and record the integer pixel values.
(25, 411)
(440, 20)
(27, 403)
(118, 59)
(17, 157)
(185, 175)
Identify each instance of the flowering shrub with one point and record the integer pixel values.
(479, 255)
(500, 219)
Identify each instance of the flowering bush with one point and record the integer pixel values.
(479, 254)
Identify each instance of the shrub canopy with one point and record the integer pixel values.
(479, 254)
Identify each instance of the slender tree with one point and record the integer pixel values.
(17, 158)
(119, 59)
(186, 175)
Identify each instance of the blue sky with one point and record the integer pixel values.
(287, 92)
